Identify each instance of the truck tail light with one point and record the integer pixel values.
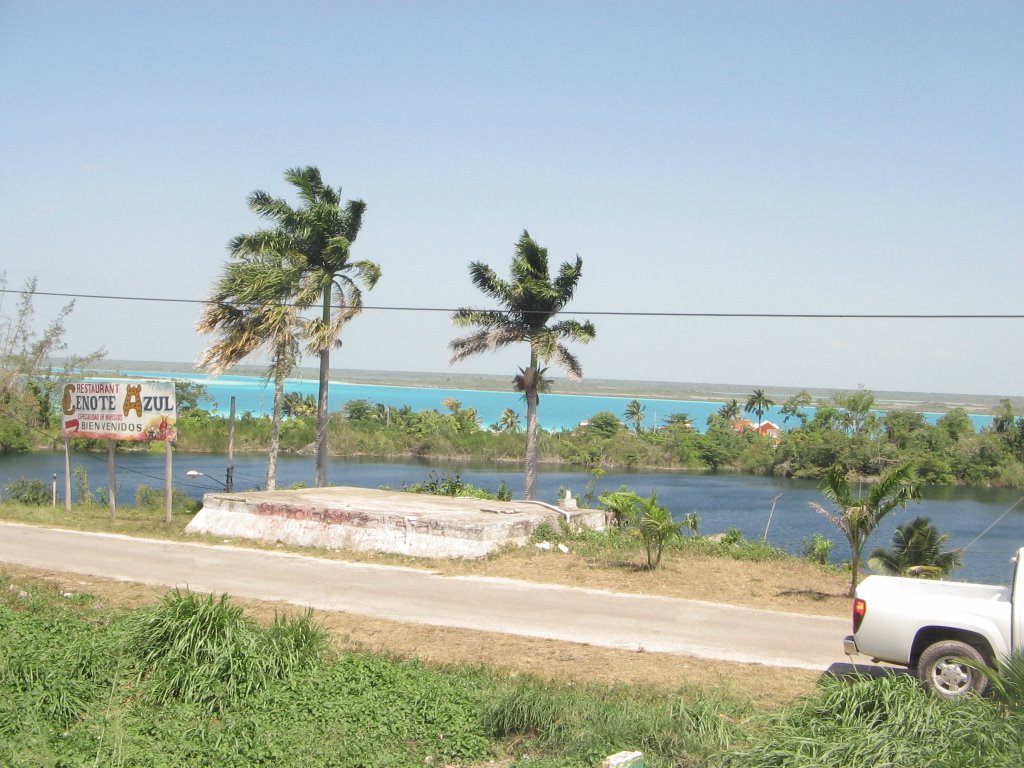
(860, 607)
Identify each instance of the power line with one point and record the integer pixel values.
(599, 313)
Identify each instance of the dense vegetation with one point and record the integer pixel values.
(192, 681)
(866, 443)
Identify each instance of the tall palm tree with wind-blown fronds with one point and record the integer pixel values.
(249, 311)
(530, 303)
(318, 237)
(635, 414)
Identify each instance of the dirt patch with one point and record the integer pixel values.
(790, 584)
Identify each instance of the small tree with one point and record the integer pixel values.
(648, 520)
(855, 409)
(622, 505)
(729, 411)
(859, 515)
(656, 528)
(917, 552)
(794, 407)
(509, 422)
(634, 414)
(28, 384)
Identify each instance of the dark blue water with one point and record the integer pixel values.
(722, 501)
(556, 412)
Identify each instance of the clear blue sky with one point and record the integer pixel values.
(813, 157)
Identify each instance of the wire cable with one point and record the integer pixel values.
(994, 524)
(597, 313)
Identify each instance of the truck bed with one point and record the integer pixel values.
(898, 608)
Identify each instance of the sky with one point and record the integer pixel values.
(700, 157)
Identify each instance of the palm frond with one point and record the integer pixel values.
(352, 218)
(484, 340)
(838, 521)
(836, 487)
(568, 362)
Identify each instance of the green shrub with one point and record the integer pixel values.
(34, 493)
(817, 549)
(450, 484)
(545, 532)
(82, 491)
(152, 499)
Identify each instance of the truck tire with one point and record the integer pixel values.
(942, 671)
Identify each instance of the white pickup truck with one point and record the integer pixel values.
(933, 625)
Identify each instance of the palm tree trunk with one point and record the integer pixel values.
(320, 470)
(275, 431)
(855, 566)
(530, 468)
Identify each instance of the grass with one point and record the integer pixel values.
(191, 680)
(550, 721)
(882, 723)
(136, 520)
(204, 651)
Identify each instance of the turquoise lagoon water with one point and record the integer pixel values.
(556, 412)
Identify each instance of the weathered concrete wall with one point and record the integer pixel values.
(363, 520)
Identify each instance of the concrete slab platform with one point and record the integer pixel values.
(365, 519)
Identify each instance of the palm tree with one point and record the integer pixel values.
(758, 403)
(635, 414)
(382, 413)
(296, 405)
(680, 420)
(318, 237)
(530, 301)
(730, 411)
(917, 551)
(509, 421)
(859, 515)
(248, 312)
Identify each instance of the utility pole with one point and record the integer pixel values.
(229, 480)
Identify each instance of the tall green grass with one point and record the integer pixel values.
(203, 650)
(569, 725)
(884, 723)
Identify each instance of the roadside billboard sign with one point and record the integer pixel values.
(119, 409)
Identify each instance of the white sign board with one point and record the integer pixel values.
(119, 409)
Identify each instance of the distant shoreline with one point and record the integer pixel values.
(918, 401)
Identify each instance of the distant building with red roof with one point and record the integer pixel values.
(767, 428)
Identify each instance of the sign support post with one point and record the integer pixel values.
(111, 480)
(229, 485)
(67, 475)
(168, 490)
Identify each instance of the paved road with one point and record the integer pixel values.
(615, 620)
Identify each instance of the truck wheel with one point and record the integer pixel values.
(942, 671)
